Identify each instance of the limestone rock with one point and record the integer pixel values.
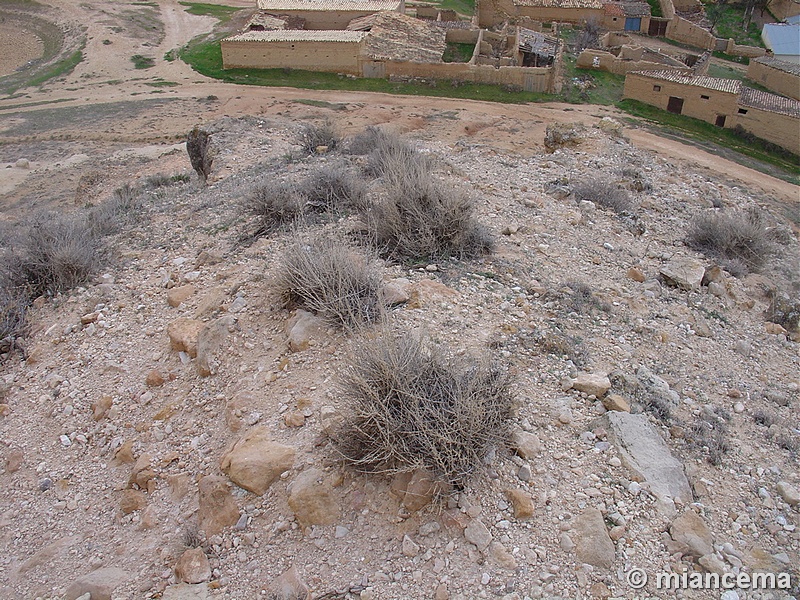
(131, 501)
(217, 507)
(593, 546)
(788, 493)
(312, 499)
(305, 330)
(636, 274)
(186, 591)
(141, 473)
(521, 502)
(155, 379)
(477, 533)
(712, 564)
(100, 584)
(395, 292)
(684, 272)
(691, 535)
(255, 461)
(210, 344)
(617, 403)
(591, 384)
(410, 547)
(645, 453)
(502, 557)
(193, 566)
(101, 407)
(289, 586)
(421, 489)
(526, 444)
(183, 334)
(178, 295)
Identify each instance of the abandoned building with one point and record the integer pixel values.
(723, 102)
(391, 44)
(327, 14)
(619, 53)
(615, 16)
(777, 75)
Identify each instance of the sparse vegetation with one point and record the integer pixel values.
(739, 240)
(333, 188)
(605, 194)
(13, 306)
(364, 142)
(458, 53)
(410, 407)
(275, 205)
(580, 298)
(709, 433)
(315, 136)
(142, 62)
(331, 280)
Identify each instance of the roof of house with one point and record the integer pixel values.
(395, 36)
(560, 3)
(276, 6)
(261, 21)
(627, 9)
(782, 38)
(780, 65)
(534, 42)
(731, 86)
(298, 35)
(769, 102)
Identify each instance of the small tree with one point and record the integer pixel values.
(197, 145)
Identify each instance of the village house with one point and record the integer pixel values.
(615, 16)
(777, 75)
(723, 102)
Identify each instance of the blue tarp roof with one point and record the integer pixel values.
(782, 38)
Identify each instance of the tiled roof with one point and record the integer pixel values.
(769, 102)
(780, 65)
(395, 36)
(537, 43)
(559, 3)
(731, 86)
(298, 35)
(329, 5)
(627, 9)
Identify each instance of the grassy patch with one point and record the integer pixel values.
(742, 60)
(706, 134)
(462, 7)
(142, 62)
(655, 8)
(730, 25)
(223, 13)
(62, 67)
(322, 104)
(582, 86)
(458, 53)
(205, 56)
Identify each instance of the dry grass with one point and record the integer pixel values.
(112, 215)
(57, 253)
(738, 240)
(313, 136)
(398, 163)
(333, 188)
(363, 143)
(606, 195)
(331, 280)
(274, 206)
(408, 407)
(13, 306)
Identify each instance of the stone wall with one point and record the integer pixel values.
(623, 64)
(531, 79)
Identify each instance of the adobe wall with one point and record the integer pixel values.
(462, 36)
(773, 127)
(774, 79)
(681, 30)
(718, 103)
(782, 9)
(337, 57)
(495, 12)
(532, 79)
(686, 5)
(619, 66)
(735, 49)
(617, 23)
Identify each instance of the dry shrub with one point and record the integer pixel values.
(13, 306)
(408, 407)
(398, 163)
(605, 194)
(560, 135)
(59, 252)
(313, 136)
(579, 298)
(333, 188)
(709, 434)
(331, 280)
(198, 147)
(365, 142)
(274, 205)
(738, 240)
(110, 216)
(432, 220)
